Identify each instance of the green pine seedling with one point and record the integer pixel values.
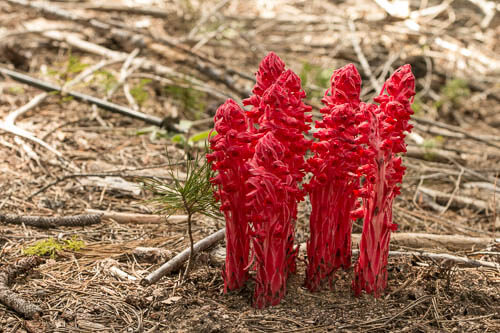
(193, 194)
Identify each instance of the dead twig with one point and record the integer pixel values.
(176, 262)
(12, 299)
(133, 218)
(444, 256)
(455, 129)
(8, 124)
(361, 57)
(52, 222)
(459, 201)
(432, 154)
(206, 17)
(455, 190)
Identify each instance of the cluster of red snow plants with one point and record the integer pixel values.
(260, 159)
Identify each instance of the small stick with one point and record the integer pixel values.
(176, 262)
(206, 17)
(124, 74)
(362, 58)
(455, 129)
(445, 256)
(459, 201)
(133, 218)
(47, 222)
(111, 266)
(455, 190)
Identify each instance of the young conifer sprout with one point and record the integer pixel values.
(193, 195)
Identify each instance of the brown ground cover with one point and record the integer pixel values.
(190, 56)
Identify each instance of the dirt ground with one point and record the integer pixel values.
(192, 55)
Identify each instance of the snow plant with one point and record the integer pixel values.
(356, 157)
(382, 135)
(232, 148)
(259, 157)
(332, 189)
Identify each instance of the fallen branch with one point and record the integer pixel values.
(52, 222)
(133, 218)
(455, 129)
(9, 125)
(83, 97)
(433, 154)
(218, 256)
(445, 256)
(119, 30)
(458, 201)
(421, 240)
(176, 262)
(140, 62)
(12, 299)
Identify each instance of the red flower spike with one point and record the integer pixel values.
(271, 220)
(269, 71)
(383, 170)
(231, 152)
(277, 169)
(345, 87)
(334, 187)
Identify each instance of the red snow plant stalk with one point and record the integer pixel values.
(277, 169)
(335, 180)
(259, 156)
(383, 136)
(231, 152)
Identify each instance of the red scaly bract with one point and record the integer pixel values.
(271, 193)
(276, 170)
(270, 69)
(231, 151)
(383, 135)
(335, 180)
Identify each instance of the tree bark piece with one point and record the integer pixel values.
(12, 299)
(176, 262)
(450, 242)
(47, 222)
(133, 218)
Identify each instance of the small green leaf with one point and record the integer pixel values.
(178, 138)
(201, 136)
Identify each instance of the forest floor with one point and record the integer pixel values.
(178, 61)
